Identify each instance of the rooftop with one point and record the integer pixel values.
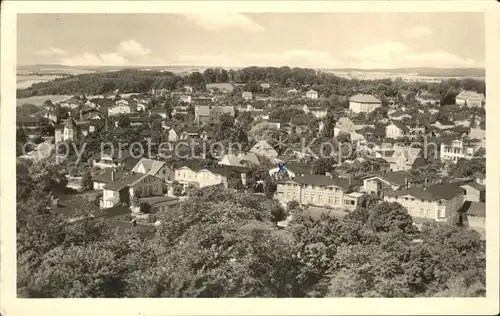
(444, 191)
(364, 98)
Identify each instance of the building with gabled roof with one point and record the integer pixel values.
(439, 202)
(319, 190)
(363, 103)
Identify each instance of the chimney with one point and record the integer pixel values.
(81, 115)
(328, 174)
(407, 185)
(425, 184)
(69, 113)
(112, 175)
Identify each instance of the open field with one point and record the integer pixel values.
(38, 100)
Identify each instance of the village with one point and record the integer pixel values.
(395, 146)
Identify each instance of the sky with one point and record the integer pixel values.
(316, 40)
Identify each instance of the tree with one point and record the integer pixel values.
(269, 187)
(390, 216)
(328, 127)
(87, 180)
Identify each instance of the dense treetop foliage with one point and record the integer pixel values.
(221, 243)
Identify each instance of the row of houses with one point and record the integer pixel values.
(442, 202)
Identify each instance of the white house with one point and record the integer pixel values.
(312, 94)
(119, 109)
(459, 149)
(470, 99)
(262, 148)
(247, 95)
(439, 202)
(396, 130)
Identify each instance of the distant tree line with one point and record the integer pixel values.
(326, 83)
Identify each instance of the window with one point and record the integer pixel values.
(336, 201)
(427, 212)
(288, 195)
(305, 196)
(412, 199)
(330, 199)
(295, 196)
(155, 187)
(320, 197)
(312, 196)
(421, 212)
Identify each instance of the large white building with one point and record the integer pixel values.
(439, 202)
(363, 103)
(470, 98)
(459, 149)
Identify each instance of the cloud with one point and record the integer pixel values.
(417, 31)
(132, 48)
(218, 20)
(292, 58)
(384, 52)
(51, 51)
(127, 52)
(398, 55)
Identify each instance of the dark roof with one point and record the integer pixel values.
(398, 177)
(434, 192)
(300, 168)
(124, 181)
(105, 177)
(474, 208)
(129, 163)
(320, 180)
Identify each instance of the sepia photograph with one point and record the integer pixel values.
(234, 154)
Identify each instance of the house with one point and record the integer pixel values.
(188, 89)
(155, 168)
(396, 130)
(194, 173)
(425, 97)
(454, 150)
(247, 95)
(292, 170)
(439, 202)
(105, 177)
(193, 133)
(260, 115)
(473, 215)
(262, 148)
(122, 102)
(157, 204)
(474, 192)
(401, 159)
(265, 85)
(381, 182)
(171, 135)
(470, 99)
(223, 87)
(416, 129)
(312, 94)
(119, 109)
(274, 123)
(109, 158)
(239, 160)
(443, 124)
(344, 125)
(130, 184)
(211, 113)
(139, 120)
(318, 190)
(363, 103)
(318, 111)
(398, 115)
(69, 131)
